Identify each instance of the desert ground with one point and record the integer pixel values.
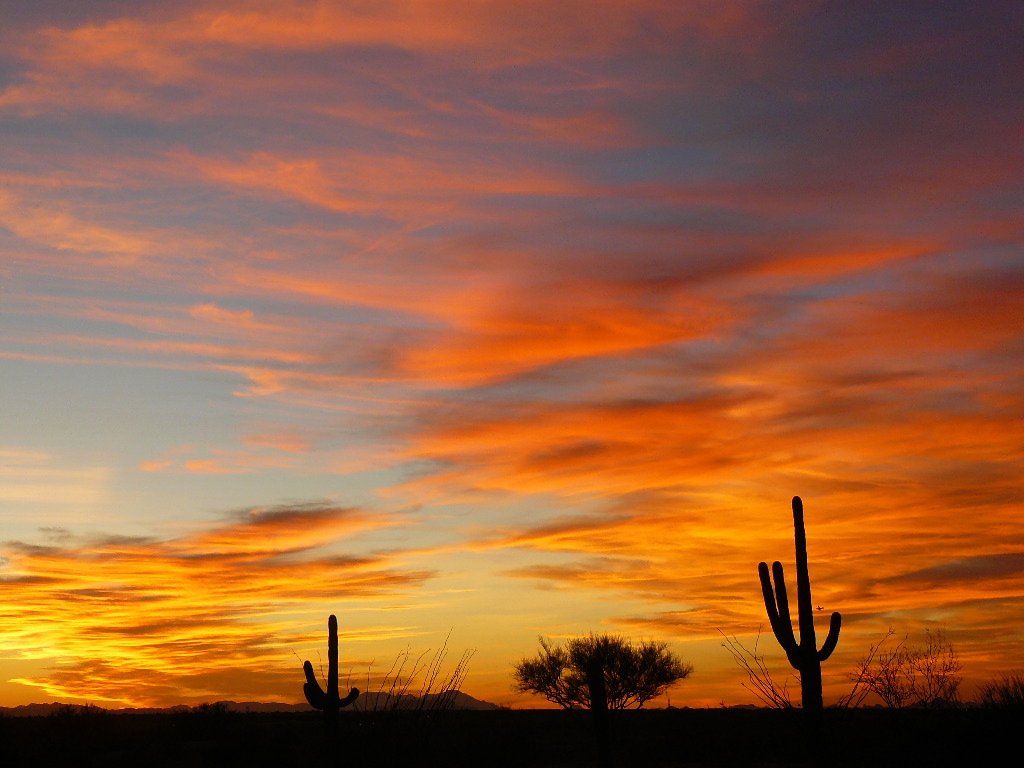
(672, 737)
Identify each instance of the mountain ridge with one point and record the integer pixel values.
(372, 701)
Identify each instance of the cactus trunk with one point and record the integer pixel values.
(332, 658)
(599, 710)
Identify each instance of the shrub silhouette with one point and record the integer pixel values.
(327, 701)
(633, 674)
(803, 656)
(436, 693)
(760, 682)
(919, 676)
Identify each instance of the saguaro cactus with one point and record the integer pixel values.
(804, 656)
(328, 702)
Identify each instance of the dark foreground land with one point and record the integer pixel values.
(680, 737)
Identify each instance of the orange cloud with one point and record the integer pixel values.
(210, 460)
(405, 188)
(557, 324)
(284, 441)
(120, 64)
(167, 347)
(56, 227)
(147, 621)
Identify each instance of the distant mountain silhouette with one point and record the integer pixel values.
(368, 702)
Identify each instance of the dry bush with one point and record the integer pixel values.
(1004, 692)
(925, 676)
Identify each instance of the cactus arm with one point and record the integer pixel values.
(769, 595)
(777, 605)
(314, 693)
(832, 638)
(787, 638)
(353, 694)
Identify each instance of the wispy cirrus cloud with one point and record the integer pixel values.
(30, 477)
(61, 229)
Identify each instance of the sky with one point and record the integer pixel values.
(491, 320)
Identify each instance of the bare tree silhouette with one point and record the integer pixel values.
(923, 676)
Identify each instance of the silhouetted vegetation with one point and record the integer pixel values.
(759, 678)
(417, 684)
(922, 676)
(803, 656)
(1004, 692)
(633, 674)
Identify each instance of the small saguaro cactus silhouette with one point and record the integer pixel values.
(803, 656)
(328, 702)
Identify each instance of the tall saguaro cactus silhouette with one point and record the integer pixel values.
(803, 656)
(328, 701)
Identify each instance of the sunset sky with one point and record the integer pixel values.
(503, 319)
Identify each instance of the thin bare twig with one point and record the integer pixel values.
(759, 679)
